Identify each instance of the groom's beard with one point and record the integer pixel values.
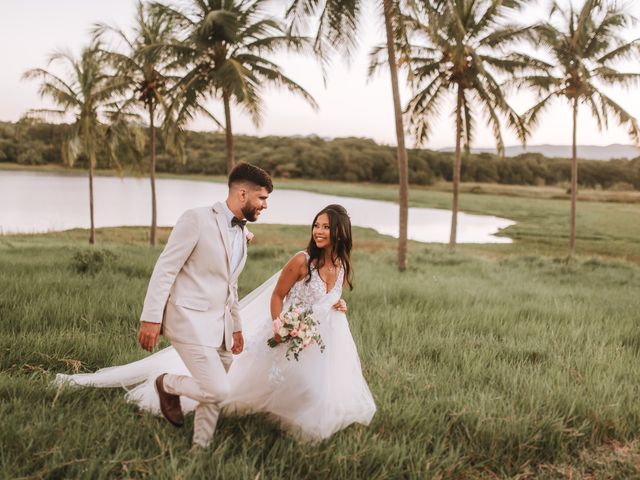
(250, 213)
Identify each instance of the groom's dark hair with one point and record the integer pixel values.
(247, 173)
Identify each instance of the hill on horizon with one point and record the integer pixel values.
(588, 152)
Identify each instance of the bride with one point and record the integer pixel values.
(312, 398)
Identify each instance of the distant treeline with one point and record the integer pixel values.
(343, 159)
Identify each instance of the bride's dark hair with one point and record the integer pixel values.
(340, 232)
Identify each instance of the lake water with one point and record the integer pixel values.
(38, 202)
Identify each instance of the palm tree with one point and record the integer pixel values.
(222, 53)
(87, 94)
(460, 50)
(338, 29)
(584, 46)
(143, 68)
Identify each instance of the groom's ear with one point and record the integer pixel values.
(243, 194)
(239, 191)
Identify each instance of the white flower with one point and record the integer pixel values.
(283, 332)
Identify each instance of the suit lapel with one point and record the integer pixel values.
(243, 259)
(224, 234)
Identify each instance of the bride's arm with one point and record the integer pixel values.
(294, 270)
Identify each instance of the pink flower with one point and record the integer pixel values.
(249, 236)
(294, 333)
(276, 324)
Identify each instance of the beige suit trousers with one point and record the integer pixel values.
(208, 385)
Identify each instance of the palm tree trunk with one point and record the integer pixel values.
(574, 180)
(92, 231)
(457, 164)
(403, 168)
(152, 177)
(228, 132)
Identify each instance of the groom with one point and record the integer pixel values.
(192, 298)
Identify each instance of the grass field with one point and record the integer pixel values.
(507, 366)
(501, 361)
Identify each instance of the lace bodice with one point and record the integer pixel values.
(312, 292)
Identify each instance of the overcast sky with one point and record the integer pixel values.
(350, 105)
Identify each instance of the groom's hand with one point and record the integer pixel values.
(238, 343)
(148, 335)
(341, 306)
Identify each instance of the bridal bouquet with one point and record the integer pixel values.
(298, 328)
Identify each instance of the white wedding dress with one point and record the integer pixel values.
(311, 398)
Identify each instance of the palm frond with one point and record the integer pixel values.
(488, 105)
(623, 117)
(273, 44)
(55, 82)
(613, 77)
(424, 106)
(531, 116)
(468, 123)
(278, 79)
(601, 120)
(337, 23)
(181, 20)
(623, 52)
(377, 60)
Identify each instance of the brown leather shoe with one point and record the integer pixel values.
(169, 403)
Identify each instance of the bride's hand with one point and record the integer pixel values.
(341, 306)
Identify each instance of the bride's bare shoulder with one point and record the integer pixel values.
(302, 254)
(294, 269)
(298, 261)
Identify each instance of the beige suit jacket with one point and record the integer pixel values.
(192, 290)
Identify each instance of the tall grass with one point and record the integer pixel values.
(480, 367)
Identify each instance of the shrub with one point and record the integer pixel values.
(91, 261)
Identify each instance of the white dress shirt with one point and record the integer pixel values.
(235, 236)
